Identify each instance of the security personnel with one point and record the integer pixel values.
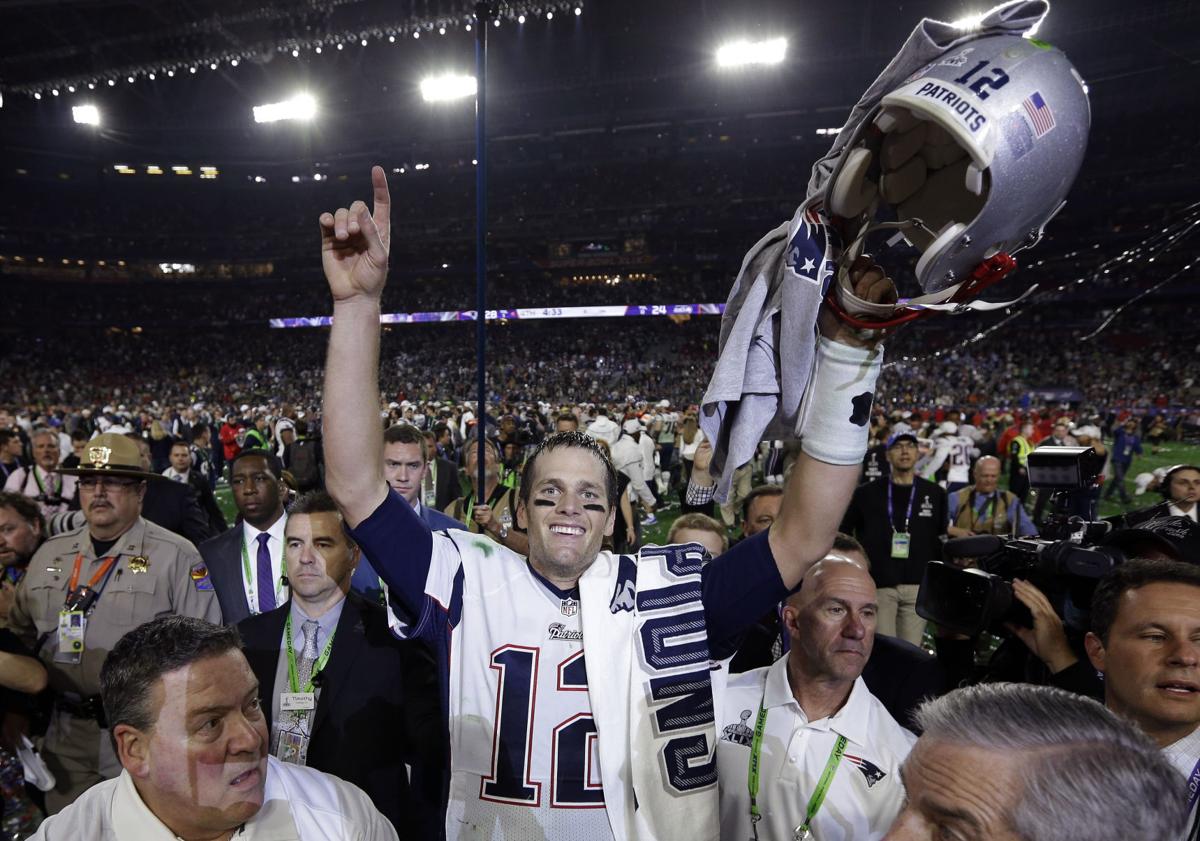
(89, 586)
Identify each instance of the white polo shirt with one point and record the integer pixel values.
(865, 795)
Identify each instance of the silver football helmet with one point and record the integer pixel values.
(967, 160)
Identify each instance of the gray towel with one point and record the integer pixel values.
(768, 331)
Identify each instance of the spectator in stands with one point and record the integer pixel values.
(900, 521)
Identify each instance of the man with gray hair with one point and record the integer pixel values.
(1015, 762)
(42, 480)
(188, 726)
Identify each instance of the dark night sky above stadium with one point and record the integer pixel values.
(617, 63)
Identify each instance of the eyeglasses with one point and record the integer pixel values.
(91, 483)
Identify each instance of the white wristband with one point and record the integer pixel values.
(837, 404)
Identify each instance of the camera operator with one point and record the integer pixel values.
(1059, 657)
(1145, 639)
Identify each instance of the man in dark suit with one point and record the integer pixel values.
(340, 692)
(182, 471)
(441, 474)
(405, 466)
(245, 563)
(172, 505)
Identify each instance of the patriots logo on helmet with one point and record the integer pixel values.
(870, 770)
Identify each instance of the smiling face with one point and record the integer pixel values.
(201, 768)
(945, 798)
(567, 513)
(1151, 660)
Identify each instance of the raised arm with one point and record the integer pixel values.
(834, 435)
(354, 255)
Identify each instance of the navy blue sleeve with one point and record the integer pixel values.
(738, 588)
(399, 545)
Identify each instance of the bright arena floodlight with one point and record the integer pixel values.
(447, 88)
(299, 107)
(744, 53)
(88, 115)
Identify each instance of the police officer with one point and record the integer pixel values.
(89, 586)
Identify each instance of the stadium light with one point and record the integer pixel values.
(744, 53)
(447, 88)
(300, 107)
(88, 115)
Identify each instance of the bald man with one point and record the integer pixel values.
(809, 712)
(985, 509)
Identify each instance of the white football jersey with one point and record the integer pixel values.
(521, 730)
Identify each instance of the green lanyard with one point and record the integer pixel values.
(250, 585)
(818, 797)
(293, 675)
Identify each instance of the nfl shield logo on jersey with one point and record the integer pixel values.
(568, 607)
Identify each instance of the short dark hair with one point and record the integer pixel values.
(318, 502)
(406, 433)
(25, 507)
(756, 493)
(577, 439)
(148, 652)
(80, 434)
(439, 428)
(273, 462)
(1134, 575)
(7, 435)
(843, 542)
(566, 416)
(179, 442)
(199, 429)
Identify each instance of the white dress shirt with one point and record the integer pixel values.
(275, 546)
(1184, 756)
(866, 794)
(1175, 511)
(299, 804)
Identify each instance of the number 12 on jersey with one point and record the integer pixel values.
(573, 741)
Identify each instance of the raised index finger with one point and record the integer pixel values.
(381, 210)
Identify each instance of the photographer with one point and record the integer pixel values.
(1059, 657)
(41, 480)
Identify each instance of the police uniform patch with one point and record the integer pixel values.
(200, 579)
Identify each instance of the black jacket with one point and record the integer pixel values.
(377, 712)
